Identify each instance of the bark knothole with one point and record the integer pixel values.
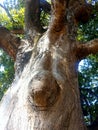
(44, 92)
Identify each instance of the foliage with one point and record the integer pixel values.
(4, 19)
(45, 18)
(18, 17)
(6, 72)
(88, 72)
(88, 81)
(89, 30)
(6, 63)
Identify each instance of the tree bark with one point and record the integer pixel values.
(85, 49)
(45, 93)
(9, 42)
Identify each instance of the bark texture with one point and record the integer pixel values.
(45, 92)
(9, 42)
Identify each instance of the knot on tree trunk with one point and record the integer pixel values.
(43, 91)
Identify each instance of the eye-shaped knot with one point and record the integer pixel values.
(43, 91)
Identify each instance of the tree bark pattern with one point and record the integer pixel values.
(9, 42)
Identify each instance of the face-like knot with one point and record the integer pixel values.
(43, 90)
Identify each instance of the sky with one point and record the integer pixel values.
(1, 1)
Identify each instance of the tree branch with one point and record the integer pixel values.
(32, 18)
(9, 42)
(17, 31)
(45, 6)
(85, 49)
(58, 19)
(59, 13)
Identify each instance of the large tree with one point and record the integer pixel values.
(45, 92)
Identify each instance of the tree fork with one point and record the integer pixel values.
(32, 19)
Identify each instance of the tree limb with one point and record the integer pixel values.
(58, 19)
(85, 49)
(45, 6)
(9, 42)
(32, 18)
(17, 31)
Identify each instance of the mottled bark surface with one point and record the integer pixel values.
(9, 42)
(45, 92)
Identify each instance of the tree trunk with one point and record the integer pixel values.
(45, 93)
